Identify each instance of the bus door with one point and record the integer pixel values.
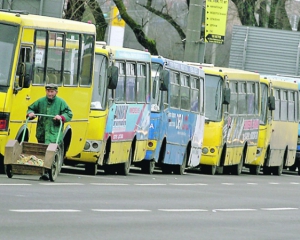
(197, 108)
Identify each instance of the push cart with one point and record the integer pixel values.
(26, 158)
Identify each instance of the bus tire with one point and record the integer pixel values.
(237, 169)
(180, 169)
(124, 168)
(278, 169)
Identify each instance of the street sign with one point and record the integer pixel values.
(215, 21)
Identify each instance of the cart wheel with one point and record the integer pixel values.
(8, 170)
(53, 172)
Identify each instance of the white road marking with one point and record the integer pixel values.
(251, 183)
(150, 184)
(62, 184)
(278, 209)
(273, 183)
(188, 184)
(15, 184)
(234, 210)
(43, 210)
(110, 184)
(228, 184)
(183, 210)
(121, 210)
(296, 183)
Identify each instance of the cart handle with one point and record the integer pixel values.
(43, 115)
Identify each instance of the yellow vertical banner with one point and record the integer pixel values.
(215, 21)
(116, 19)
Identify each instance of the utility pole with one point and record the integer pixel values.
(194, 44)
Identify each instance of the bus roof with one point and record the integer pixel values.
(280, 82)
(50, 23)
(231, 73)
(177, 65)
(129, 54)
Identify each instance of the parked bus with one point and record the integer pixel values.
(231, 119)
(177, 117)
(37, 50)
(128, 118)
(104, 78)
(279, 117)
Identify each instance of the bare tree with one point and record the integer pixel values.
(81, 10)
(147, 43)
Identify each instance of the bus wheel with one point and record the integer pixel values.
(180, 169)
(254, 170)
(237, 169)
(148, 166)
(278, 170)
(124, 168)
(91, 169)
(8, 170)
(213, 170)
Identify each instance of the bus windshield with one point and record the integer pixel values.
(99, 90)
(213, 101)
(8, 39)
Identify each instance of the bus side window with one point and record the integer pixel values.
(284, 106)
(277, 104)
(175, 90)
(233, 97)
(291, 106)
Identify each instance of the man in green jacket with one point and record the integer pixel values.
(48, 128)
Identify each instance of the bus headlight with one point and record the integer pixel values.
(212, 150)
(205, 150)
(87, 146)
(150, 144)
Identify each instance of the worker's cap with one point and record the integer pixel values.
(51, 86)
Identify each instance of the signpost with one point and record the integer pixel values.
(116, 28)
(215, 22)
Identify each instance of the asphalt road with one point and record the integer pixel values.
(158, 206)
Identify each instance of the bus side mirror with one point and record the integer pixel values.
(25, 74)
(271, 103)
(226, 96)
(112, 75)
(164, 78)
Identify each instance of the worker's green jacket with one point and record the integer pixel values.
(47, 128)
